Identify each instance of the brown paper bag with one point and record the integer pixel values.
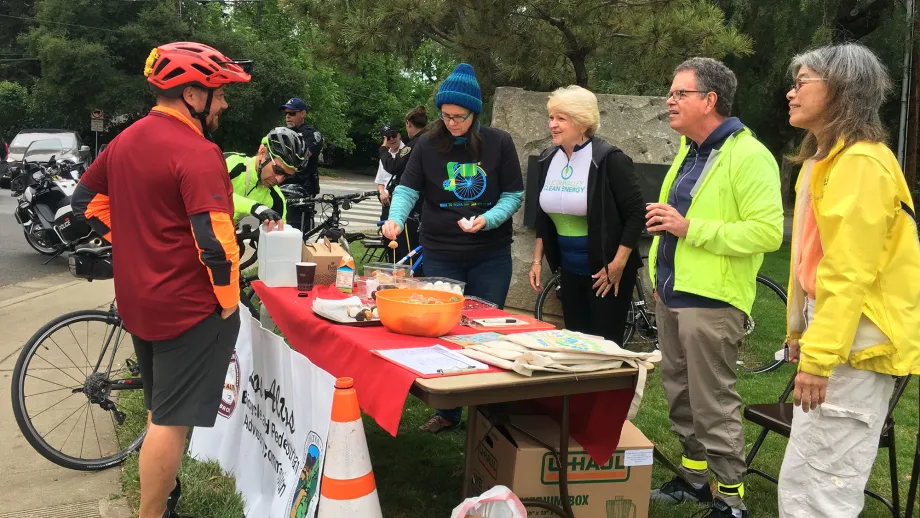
(327, 256)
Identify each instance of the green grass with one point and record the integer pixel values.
(206, 491)
(328, 173)
(420, 474)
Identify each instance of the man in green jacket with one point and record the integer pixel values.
(256, 179)
(720, 209)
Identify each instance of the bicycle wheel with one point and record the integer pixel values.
(552, 287)
(246, 299)
(247, 294)
(640, 334)
(764, 330)
(630, 322)
(77, 394)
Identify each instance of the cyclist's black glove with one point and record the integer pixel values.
(264, 213)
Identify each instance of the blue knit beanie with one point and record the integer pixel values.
(462, 89)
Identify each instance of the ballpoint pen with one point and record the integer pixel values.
(457, 369)
(494, 321)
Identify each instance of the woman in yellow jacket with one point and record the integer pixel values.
(854, 284)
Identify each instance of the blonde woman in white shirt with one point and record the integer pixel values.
(589, 217)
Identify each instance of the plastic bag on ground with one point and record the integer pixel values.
(498, 502)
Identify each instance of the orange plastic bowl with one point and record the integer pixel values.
(432, 320)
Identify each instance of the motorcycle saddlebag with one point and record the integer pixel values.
(70, 228)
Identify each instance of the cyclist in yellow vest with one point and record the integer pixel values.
(256, 179)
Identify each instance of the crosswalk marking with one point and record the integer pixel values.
(361, 216)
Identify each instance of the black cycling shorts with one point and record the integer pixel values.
(184, 377)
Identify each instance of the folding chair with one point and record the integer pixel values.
(777, 417)
(374, 249)
(914, 477)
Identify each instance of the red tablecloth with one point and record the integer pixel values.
(382, 386)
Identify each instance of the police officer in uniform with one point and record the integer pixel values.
(307, 177)
(416, 122)
(393, 141)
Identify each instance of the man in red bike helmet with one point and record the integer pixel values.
(161, 195)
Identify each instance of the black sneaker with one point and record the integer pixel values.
(720, 510)
(678, 491)
(170, 514)
(173, 501)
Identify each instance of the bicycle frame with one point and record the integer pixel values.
(410, 255)
(334, 221)
(116, 332)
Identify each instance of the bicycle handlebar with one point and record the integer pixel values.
(330, 198)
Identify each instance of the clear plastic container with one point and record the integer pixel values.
(441, 284)
(365, 287)
(387, 273)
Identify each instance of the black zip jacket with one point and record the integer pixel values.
(397, 165)
(616, 210)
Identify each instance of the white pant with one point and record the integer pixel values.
(831, 450)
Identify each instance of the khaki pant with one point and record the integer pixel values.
(699, 348)
(831, 450)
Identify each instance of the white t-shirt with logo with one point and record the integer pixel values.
(383, 177)
(565, 190)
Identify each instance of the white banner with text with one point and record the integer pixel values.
(272, 424)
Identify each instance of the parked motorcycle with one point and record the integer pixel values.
(44, 188)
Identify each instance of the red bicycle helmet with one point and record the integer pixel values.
(173, 66)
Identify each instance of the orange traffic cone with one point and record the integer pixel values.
(348, 489)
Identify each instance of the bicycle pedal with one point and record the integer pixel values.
(133, 367)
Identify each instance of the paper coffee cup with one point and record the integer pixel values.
(305, 274)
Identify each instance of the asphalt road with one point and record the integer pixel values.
(18, 261)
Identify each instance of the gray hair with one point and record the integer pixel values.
(713, 76)
(857, 84)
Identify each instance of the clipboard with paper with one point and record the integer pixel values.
(432, 362)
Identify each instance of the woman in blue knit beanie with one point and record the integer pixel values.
(469, 177)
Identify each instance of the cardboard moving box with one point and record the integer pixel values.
(618, 488)
(327, 256)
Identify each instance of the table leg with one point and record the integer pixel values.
(564, 453)
(562, 459)
(470, 455)
(664, 461)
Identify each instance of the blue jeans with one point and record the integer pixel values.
(487, 275)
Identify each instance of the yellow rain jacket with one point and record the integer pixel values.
(871, 265)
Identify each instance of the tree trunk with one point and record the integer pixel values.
(855, 19)
(581, 69)
(913, 114)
